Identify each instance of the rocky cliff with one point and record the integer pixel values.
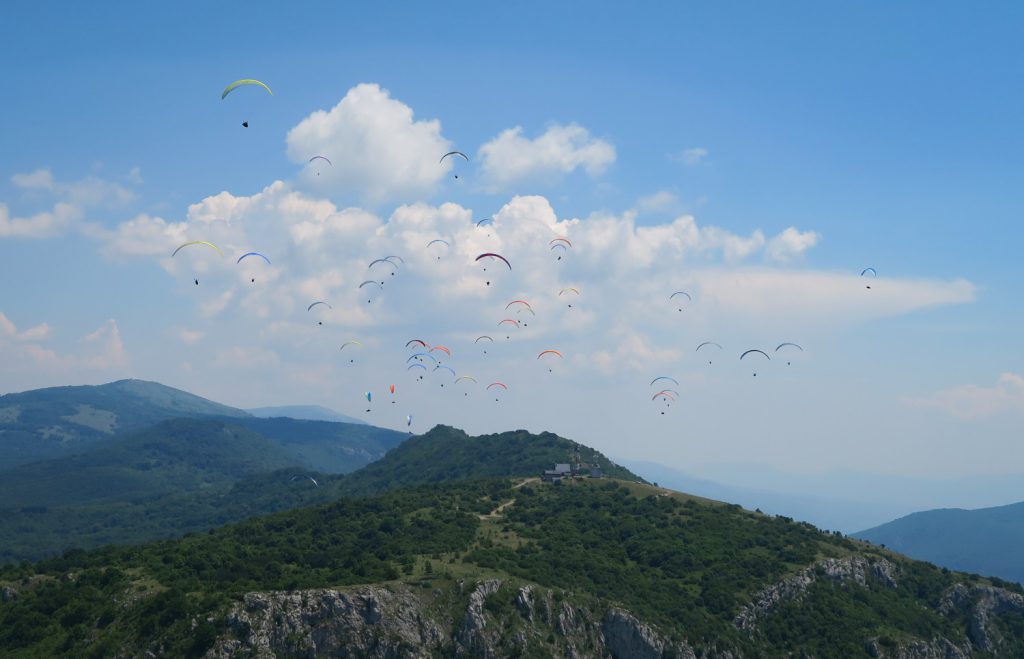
(493, 618)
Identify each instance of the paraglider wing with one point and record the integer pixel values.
(408, 420)
(560, 241)
(509, 320)
(387, 260)
(262, 256)
(783, 345)
(453, 153)
(762, 352)
(421, 354)
(497, 384)
(442, 349)
(465, 377)
(324, 158)
(371, 281)
(419, 341)
(353, 342)
(412, 366)
(239, 83)
(486, 219)
(493, 255)
(438, 240)
(867, 270)
(549, 352)
(665, 377)
(447, 368)
(709, 343)
(571, 289)
(197, 242)
(310, 307)
(483, 337)
(664, 393)
(369, 396)
(523, 302)
(681, 293)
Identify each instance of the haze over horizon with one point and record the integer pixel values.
(756, 161)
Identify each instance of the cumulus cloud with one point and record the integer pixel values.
(28, 361)
(790, 244)
(662, 200)
(511, 158)
(972, 401)
(378, 149)
(10, 330)
(71, 202)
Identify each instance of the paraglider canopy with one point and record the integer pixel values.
(239, 83)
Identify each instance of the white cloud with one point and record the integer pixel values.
(790, 244)
(112, 353)
(511, 158)
(691, 156)
(9, 329)
(378, 150)
(971, 401)
(40, 178)
(72, 200)
(44, 224)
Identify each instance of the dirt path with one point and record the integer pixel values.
(497, 511)
(528, 480)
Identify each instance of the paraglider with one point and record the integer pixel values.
(497, 384)
(550, 352)
(755, 351)
(379, 285)
(351, 342)
(708, 343)
(317, 303)
(248, 254)
(867, 271)
(438, 241)
(783, 345)
(569, 289)
(408, 420)
(454, 153)
(484, 337)
(385, 260)
(683, 293)
(560, 243)
(241, 83)
(465, 377)
(324, 158)
(196, 242)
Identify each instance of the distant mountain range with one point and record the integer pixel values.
(305, 412)
(986, 541)
(59, 421)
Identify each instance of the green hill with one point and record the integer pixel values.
(987, 540)
(59, 421)
(597, 568)
(177, 476)
(446, 454)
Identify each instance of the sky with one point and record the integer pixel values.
(757, 157)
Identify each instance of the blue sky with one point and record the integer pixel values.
(884, 136)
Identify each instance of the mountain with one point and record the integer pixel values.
(305, 412)
(178, 476)
(502, 568)
(447, 454)
(326, 446)
(988, 540)
(59, 421)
